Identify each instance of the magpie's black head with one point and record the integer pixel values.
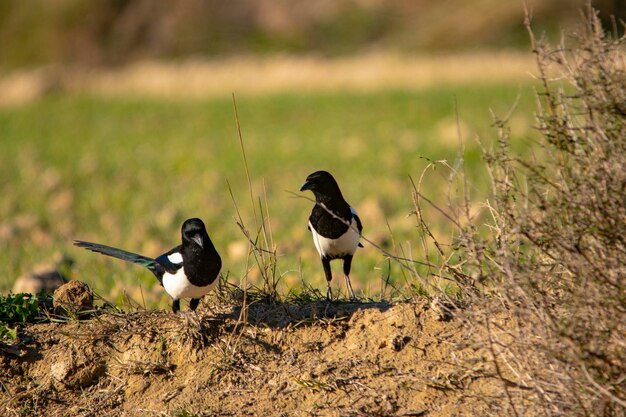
(322, 183)
(194, 232)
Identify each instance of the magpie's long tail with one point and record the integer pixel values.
(149, 263)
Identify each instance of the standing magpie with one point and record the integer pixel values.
(335, 226)
(188, 271)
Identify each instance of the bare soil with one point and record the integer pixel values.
(313, 359)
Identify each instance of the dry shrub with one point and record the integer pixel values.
(556, 254)
(548, 250)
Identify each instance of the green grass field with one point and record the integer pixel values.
(127, 173)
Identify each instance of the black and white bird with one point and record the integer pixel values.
(335, 226)
(190, 270)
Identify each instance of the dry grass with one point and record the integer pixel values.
(251, 75)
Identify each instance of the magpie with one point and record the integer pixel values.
(335, 226)
(189, 270)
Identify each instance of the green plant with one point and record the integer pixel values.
(7, 332)
(16, 308)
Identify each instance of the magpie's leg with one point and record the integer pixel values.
(329, 277)
(193, 304)
(347, 263)
(176, 306)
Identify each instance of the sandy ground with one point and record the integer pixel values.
(246, 75)
(312, 359)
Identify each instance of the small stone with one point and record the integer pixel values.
(66, 373)
(59, 371)
(399, 342)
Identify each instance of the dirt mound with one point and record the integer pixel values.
(74, 296)
(343, 359)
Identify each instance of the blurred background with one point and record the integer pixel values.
(117, 123)
(103, 32)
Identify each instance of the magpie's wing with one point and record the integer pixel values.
(171, 261)
(359, 225)
(156, 268)
(312, 219)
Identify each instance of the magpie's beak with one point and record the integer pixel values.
(306, 186)
(198, 240)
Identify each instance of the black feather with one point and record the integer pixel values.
(155, 267)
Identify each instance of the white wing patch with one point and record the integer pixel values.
(353, 211)
(175, 258)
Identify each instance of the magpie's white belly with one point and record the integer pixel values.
(345, 244)
(178, 286)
